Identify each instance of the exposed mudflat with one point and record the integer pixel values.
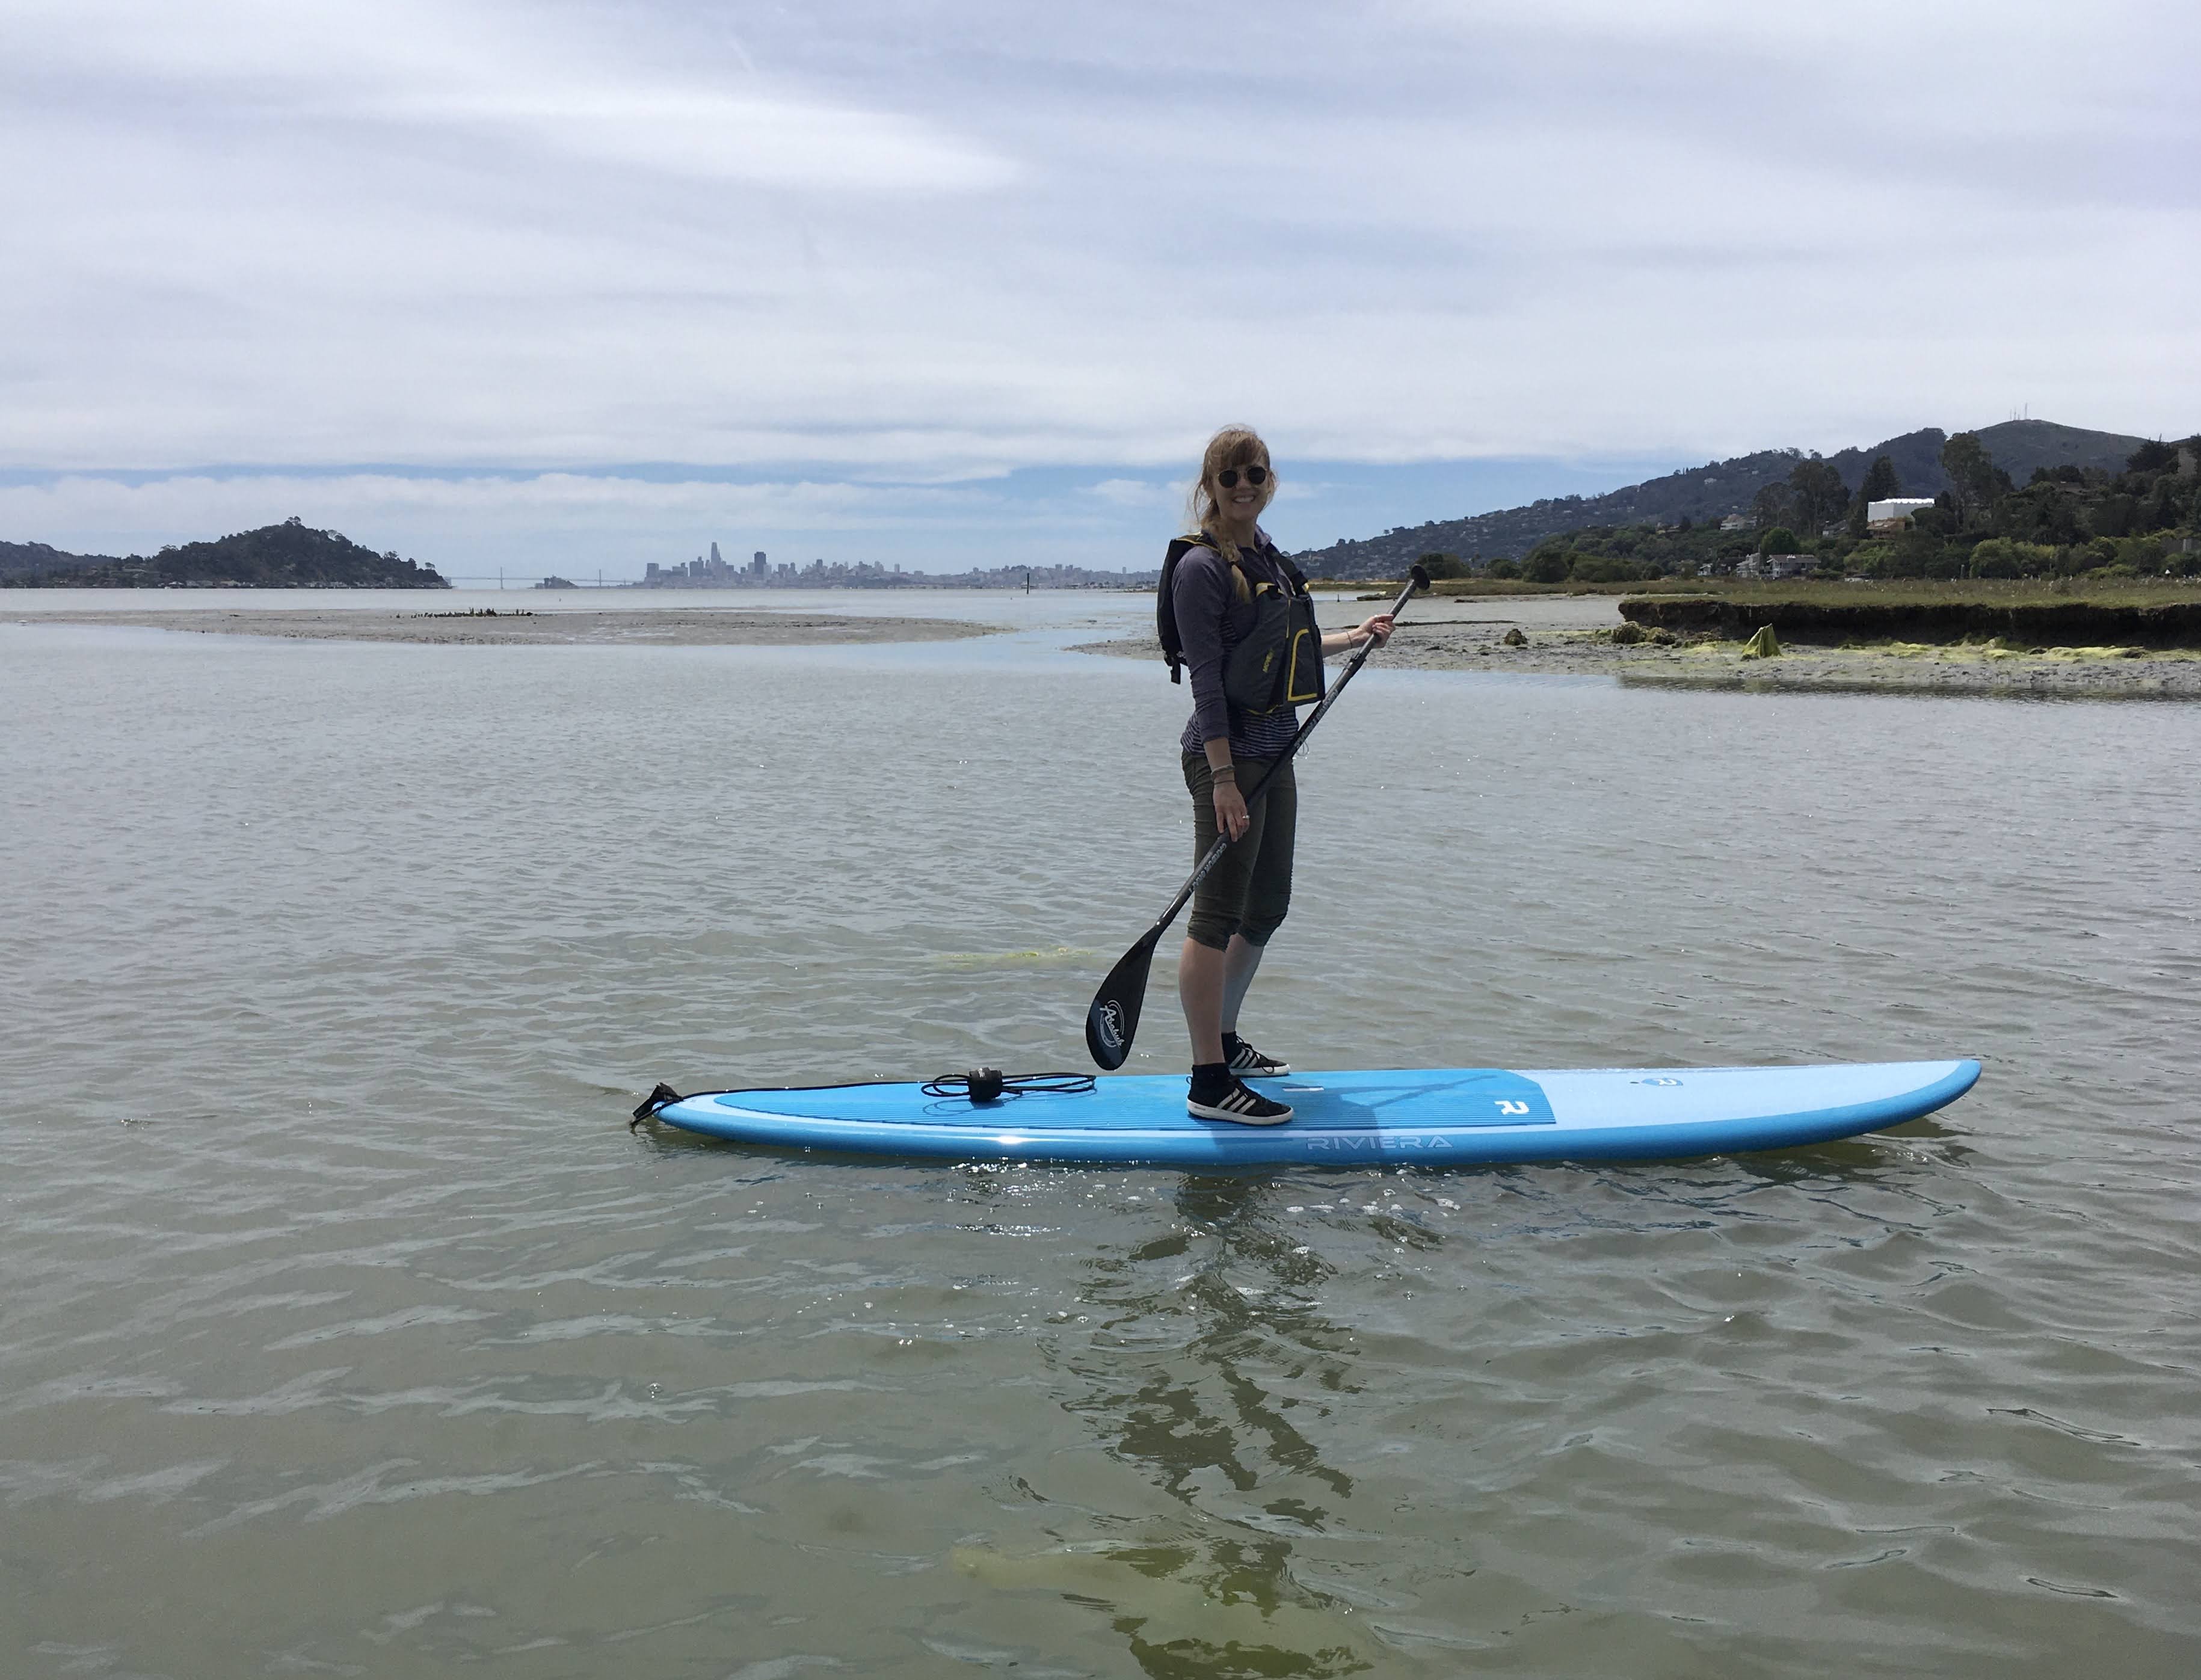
(1457, 643)
(670, 628)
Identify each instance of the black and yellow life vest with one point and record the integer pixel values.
(1278, 661)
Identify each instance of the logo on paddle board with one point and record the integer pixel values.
(1108, 1024)
(1384, 1142)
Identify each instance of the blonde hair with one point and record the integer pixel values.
(1233, 446)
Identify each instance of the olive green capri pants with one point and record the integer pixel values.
(1250, 888)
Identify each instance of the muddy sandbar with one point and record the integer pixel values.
(643, 626)
(1460, 644)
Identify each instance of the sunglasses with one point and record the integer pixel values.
(1255, 476)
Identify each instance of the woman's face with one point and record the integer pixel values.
(1237, 494)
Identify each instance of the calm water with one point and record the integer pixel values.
(348, 1330)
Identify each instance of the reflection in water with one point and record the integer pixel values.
(1207, 1349)
(1173, 1624)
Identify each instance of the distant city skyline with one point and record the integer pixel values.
(712, 571)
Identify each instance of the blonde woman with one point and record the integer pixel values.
(1215, 585)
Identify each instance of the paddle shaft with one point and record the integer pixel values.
(1419, 579)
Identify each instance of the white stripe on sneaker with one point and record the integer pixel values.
(1240, 1106)
(1249, 1063)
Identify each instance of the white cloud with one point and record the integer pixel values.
(1136, 492)
(519, 76)
(939, 241)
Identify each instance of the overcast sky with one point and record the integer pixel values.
(590, 283)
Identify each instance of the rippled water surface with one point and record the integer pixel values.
(347, 1329)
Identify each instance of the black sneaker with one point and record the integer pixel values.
(1238, 1103)
(1248, 1063)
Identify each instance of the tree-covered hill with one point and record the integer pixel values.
(2139, 517)
(1706, 494)
(288, 555)
(28, 560)
(1701, 494)
(2023, 447)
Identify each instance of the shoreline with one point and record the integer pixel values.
(1890, 668)
(1560, 638)
(640, 627)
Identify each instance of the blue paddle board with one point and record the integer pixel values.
(1464, 1115)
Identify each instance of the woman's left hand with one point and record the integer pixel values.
(1377, 628)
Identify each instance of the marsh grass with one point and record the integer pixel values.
(1898, 592)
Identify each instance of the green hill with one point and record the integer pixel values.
(1710, 492)
(2021, 447)
(288, 555)
(29, 560)
(2140, 520)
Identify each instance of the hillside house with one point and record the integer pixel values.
(1773, 565)
(1882, 518)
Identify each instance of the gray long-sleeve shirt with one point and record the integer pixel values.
(1211, 620)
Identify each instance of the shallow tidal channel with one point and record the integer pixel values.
(349, 1330)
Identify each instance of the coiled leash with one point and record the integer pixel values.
(990, 1084)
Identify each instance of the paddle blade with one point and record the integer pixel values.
(1114, 1018)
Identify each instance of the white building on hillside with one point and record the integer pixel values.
(1774, 566)
(1895, 507)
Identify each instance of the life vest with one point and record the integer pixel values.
(1278, 661)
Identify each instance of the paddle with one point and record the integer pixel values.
(1113, 1017)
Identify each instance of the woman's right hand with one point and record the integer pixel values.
(1230, 815)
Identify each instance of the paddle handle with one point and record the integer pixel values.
(1417, 579)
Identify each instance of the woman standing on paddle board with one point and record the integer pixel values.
(1230, 584)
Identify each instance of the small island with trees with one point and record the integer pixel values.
(288, 555)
